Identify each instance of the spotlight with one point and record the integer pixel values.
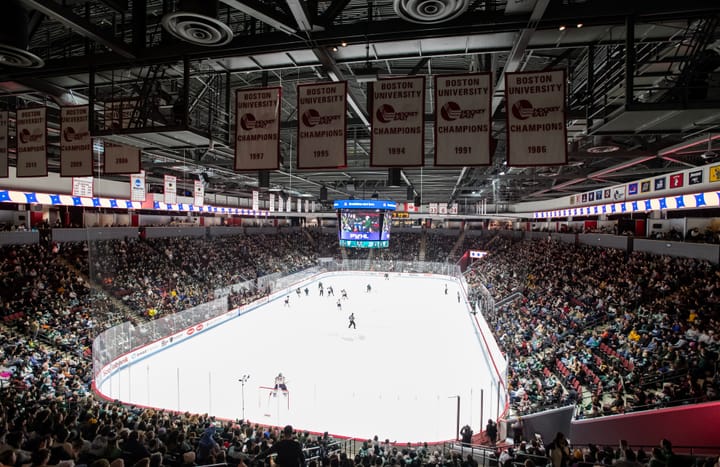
(343, 43)
(579, 25)
(334, 49)
(561, 28)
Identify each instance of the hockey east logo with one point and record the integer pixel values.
(386, 114)
(248, 122)
(312, 117)
(523, 109)
(452, 111)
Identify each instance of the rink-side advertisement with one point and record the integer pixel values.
(463, 119)
(535, 112)
(257, 129)
(321, 131)
(398, 122)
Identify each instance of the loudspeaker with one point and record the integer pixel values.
(263, 179)
(394, 177)
(410, 193)
(323, 193)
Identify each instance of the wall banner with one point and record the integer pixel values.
(137, 186)
(199, 193)
(4, 145)
(82, 187)
(255, 200)
(398, 122)
(321, 132)
(170, 189)
(257, 129)
(463, 117)
(76, 148)
(32, 142)
(535, 112)
(272, 202)
(121, 159)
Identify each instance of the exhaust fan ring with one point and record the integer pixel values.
(429, 11)
(19, 58)
(197, 29)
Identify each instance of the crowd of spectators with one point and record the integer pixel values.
(610, 331)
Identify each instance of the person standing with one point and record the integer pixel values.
(368, 289)
(289, 451)
(491, 431)
(287, 300)
(351, 318)
(339, 305)
(446, 289)
(343, 294)
(458, 297)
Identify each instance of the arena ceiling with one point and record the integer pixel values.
(665, 52)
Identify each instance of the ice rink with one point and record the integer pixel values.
(398, 375)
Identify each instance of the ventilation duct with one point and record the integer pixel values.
(429, 11)
(195, 21)
(14, 38)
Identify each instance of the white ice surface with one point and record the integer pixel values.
(396, 375)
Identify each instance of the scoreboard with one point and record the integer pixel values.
(364, 223)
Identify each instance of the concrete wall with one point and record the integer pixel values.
(161, 232)
(18, 238)
(605, 241)
(93, 234)
(685, 250)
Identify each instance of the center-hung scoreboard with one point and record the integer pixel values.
(364, 223)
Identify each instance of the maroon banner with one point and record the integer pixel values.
(76, 158)
(398, 123)
(121, 159)
(32, 142)
(257, 129)
(536, 124)
(4, 144)
(463, 117)
(321, 133)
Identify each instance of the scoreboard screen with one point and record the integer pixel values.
(364, 223)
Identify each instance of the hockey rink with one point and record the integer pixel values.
(398, 375)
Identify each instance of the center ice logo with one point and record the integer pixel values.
(248, 122)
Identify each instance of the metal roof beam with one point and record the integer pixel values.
(78, 24)
(261, 13)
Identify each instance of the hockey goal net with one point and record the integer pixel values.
(273, 400)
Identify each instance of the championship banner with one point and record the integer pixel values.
(76, 155)
(299, 205)
(281, 204)
(442, 208)
(170, 189)
(255, 200)
(432, 208)
(312, 206)
(82, 187)
(4, 145)
(257, 129)
(307, 205)
(199, 193)
(454, 208)
(463, 119)
(121, 159)
(398, 122)
(535, 112)
(322, 110)
(272, 202)
(31, 142)
(137, 186)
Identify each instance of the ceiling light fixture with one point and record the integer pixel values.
(343, 43)
(579, 25)
(561, 28)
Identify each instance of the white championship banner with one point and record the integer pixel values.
(198, 193)
(322, 111)
(281, 205)
(398, 122)
(257, 129)
(288, 204)
(31, 142)
(462, 119)
(255, 200)
(535, 109)
(4, 145)
(137, 186)
(76, 150)
(271, 203)
(299, 205)
(83, 187)
(170, 189)
(121, 159)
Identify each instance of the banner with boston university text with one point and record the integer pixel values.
(322, 111)
(76, 156)
(4, 144)
(462, 119)
(535, 112)
(257, 129)
(398, 122)
(31, 129)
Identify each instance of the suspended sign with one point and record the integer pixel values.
(463, 119)
(31, 142)
(137, 186)
(170, 189)
(199, 193)
(535, 110)
(4, 145)
(271, 203)
(255, 200)
(322, 111)
(121, 159)
(82, 186)
(257, 129)
(76, 156)
(398, 122)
